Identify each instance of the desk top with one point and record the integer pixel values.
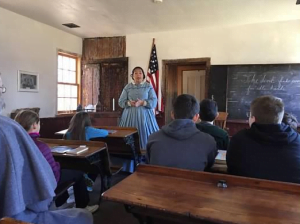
(195, 194)
(94, 147)
(121, 132)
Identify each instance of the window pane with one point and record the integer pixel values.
(60, 104)
(73, 64)
(59, 61)
(73, 104)
(60, 90)
(66, 63)
(67, 91)
(60, 75)
(66, 73)
(65, 76)
(72, 76)
(67, 104)
(74, 91)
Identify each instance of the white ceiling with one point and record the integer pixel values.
(122, 17)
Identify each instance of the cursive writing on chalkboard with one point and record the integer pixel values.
(247, 82)
(266, 82)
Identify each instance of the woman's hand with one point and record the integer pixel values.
(132, 103)
(139, 103)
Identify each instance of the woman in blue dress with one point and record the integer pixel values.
(138, 100)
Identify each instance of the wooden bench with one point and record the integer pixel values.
(167, 195)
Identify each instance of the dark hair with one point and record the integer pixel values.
(290, 120)
(77, 125)
(208, 110)
(185, 107)
(26, 118)
(144, 76)
(267, 110)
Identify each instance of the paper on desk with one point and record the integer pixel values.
(221, 155)
(61, 149)
(111, 131)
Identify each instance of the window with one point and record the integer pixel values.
(67, 83)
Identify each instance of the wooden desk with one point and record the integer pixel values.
(167, 195)
(123, 143)
(95, 159)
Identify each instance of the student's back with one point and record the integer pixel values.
(221, 137)
(208, 113)
(181, 145)
(267, 151)
(81, 128)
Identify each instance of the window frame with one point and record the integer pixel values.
(77, 82)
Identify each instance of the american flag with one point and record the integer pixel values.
(153, 77)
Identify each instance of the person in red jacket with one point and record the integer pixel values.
(30, 121)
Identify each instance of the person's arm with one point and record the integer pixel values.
(233, 156)
(55, 166)
(212, 155)
(151, 102)
(123, 100)
(92, 132)
(226, 142)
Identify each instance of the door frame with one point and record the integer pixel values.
(170, 80)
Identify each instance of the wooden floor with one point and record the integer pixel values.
(110, 212)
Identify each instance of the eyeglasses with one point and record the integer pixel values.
(3, 89)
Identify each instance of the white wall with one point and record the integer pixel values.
(26, 44)
(276, 42)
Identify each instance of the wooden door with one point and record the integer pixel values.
(90, 83)
(191, 80)
(113, 78)
(172, 81)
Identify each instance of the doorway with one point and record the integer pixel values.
(190, 76)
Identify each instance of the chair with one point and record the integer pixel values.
(7, 220)
(221, 120)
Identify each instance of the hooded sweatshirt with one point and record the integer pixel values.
(181, 145)
(27, 182)
(267, 151)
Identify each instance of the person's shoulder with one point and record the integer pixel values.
(147, 84)
(156, 135)
(220, 131)
(128, 86)
(202, 136)
(242, 134)
(7, 124)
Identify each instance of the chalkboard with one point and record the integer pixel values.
(246, 82)
(217, 85)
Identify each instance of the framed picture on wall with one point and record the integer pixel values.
(28, 81)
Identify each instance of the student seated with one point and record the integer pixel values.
(269, 149)
(290, 120)
(80, 128)
(180, 144)
(27, 182)
(208, 113)
(30, 121)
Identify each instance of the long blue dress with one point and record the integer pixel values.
(142, 117)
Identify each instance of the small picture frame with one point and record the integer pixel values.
(28, 81)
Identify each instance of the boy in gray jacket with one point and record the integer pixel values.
(180, 144)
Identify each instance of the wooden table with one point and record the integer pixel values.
(167, 195)
(95, 159)
(123, 143)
